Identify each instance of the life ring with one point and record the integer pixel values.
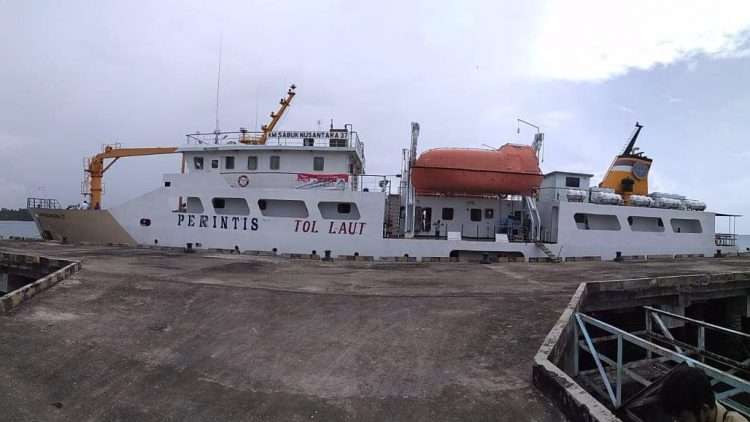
(243, 181)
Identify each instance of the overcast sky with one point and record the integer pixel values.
(76, 75)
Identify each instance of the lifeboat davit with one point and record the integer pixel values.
(511, 169)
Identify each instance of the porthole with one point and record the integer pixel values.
(145, 222)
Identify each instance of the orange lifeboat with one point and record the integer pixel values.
(511, 169)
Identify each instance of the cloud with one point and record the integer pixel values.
(556, 118)
(589, 40)
(672, 100)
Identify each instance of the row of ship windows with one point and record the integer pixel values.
(273, 208)
(274, 163)
(636, 223)
(475, 214)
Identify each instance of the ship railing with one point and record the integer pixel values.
(388, 183)
(48, 203)
(321, 139)
(619, 357)
(725, 239)
(515, 233)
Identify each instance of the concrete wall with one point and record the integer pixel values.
(56, 270)
(555, 361)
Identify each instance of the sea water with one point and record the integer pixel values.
(19, 229)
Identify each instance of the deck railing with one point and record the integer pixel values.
(725, 239)
(49, 203)
(320, 139)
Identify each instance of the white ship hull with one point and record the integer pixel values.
(363, 236)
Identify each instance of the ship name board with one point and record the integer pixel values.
(354, 228)
(225, 222)
(309, 134)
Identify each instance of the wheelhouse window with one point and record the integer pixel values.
(252, 162)
(447, 214)
(318, 163)
(572, 182)
(476, 214)
(229, 163)
(275, 162)
(214, 164)
(198, 163)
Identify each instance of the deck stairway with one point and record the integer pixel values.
(551, 255)
(392, 216)
(534, 217)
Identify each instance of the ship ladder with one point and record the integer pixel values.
(551, 255)
(534, 216)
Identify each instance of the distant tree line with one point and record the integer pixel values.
(21, 214)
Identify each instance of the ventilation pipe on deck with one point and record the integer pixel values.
(410, 194)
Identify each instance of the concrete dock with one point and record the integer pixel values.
(153, 335)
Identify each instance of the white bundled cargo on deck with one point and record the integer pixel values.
(604, 196)
(576, 195)
(694, 205)
(641, 201)
(667, 200)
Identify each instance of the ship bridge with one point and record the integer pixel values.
(328, 159)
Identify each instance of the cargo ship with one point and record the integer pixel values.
(307, 192)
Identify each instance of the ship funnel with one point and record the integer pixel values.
(628, 173)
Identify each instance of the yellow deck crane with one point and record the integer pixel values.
(275, 117)
(95, 168)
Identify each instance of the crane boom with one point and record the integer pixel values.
(275, 117)
(95, 167)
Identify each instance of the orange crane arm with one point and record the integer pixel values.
(275, 117)
(96, 166)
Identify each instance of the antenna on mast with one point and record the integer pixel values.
(256, 108)
(538, 143)
(218, 85)
(629, 147)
